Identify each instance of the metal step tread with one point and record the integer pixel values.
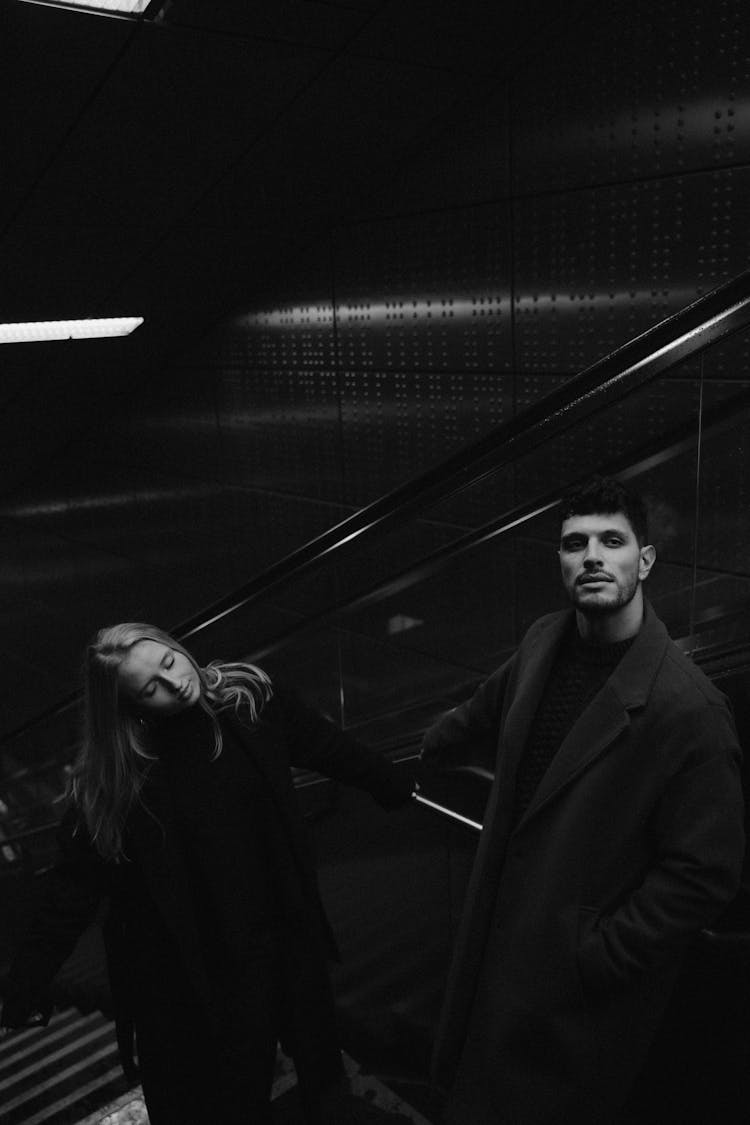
(58, 1074)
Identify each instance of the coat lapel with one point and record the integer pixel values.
(264, 754)
(596, 728)
(535, 663)
(269, 757)
(297, 882)
(607, 716)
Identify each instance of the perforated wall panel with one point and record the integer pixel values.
(596, 267)
(424, 340)
(638, 92)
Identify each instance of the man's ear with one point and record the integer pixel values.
(647, 560)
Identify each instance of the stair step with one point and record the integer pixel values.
(58, 1074)
(69, 1074)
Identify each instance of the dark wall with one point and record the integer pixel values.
(601, 187)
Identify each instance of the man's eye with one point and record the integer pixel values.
(148, 691)
(613, 541)
(573, 544)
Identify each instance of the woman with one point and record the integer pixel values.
(183, 815)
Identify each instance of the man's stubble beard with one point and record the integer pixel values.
(625, 595)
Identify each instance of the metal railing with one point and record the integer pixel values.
(716, 315)
(712, 317)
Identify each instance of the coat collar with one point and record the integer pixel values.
(607, 715)
(634, 676)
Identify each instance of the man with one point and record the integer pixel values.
(613, 834)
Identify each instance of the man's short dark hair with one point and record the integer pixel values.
(607, 495)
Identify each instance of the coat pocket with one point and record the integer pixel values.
(599, 979)
(575, 924)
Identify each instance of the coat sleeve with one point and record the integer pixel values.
(699, 842)
(316, 743)
(467, 735)
(70, 897)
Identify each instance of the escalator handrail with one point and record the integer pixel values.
(711, 317)
(445, 811)
(632, 463)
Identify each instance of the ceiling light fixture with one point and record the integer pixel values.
(126, 9)
(36, 331)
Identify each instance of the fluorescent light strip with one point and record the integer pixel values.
(131, 7)
(39, 330)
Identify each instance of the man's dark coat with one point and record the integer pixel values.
(143, 971)
(574, 918)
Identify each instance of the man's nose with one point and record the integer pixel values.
(592, 555)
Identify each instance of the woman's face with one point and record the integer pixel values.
(158, 679)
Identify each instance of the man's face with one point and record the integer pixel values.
(602, 563)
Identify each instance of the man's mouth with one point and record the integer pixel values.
(589, 579)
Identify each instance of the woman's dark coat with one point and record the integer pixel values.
(574, 917)
(288, 734)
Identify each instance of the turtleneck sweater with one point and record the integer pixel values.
(580, 670)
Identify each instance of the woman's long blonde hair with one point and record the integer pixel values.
(116, 751)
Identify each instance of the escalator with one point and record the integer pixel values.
(397, 613)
